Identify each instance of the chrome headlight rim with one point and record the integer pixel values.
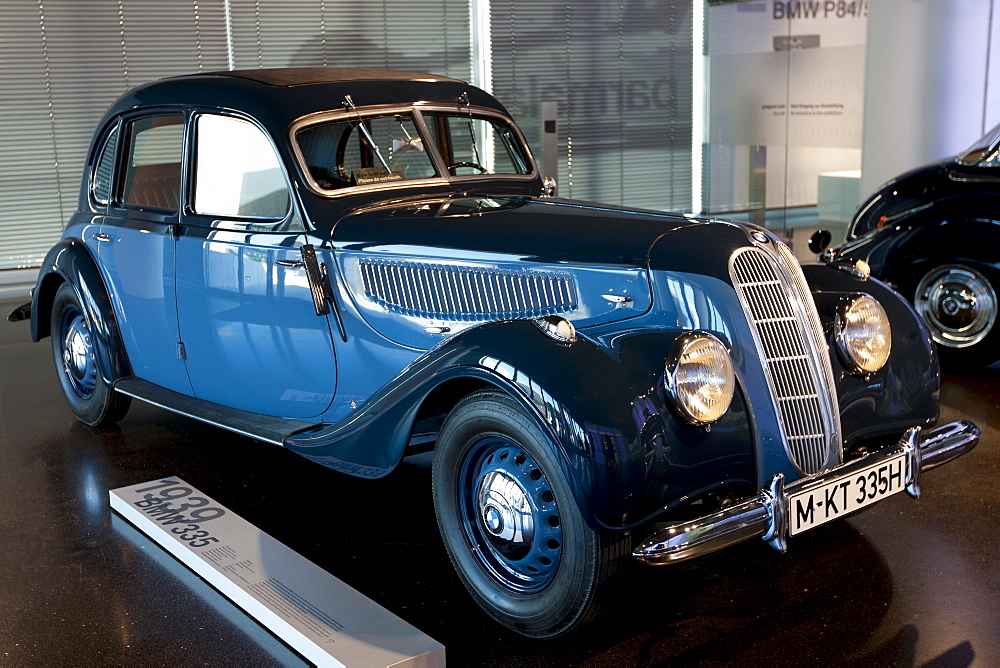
(673, 382)
(846, 320)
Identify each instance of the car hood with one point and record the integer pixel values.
(420, 271)
(536, 230)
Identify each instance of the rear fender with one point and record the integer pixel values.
(70, 261)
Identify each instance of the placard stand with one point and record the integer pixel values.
(317, 615)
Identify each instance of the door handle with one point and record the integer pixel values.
(100, 236)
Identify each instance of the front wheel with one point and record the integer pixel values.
(959, 305)
(511, 525)
(74, 349)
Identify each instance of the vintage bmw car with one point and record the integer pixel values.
(934, 234)
(358, 265)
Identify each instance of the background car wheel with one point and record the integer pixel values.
(510, 524)
(74, 349)
(959, 305)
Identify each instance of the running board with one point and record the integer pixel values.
(262, 427)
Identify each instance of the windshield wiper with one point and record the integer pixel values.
(368, 136)
(463, 99)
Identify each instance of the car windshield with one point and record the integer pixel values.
(984, 151)
(354, 150)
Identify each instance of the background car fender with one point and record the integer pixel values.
(963, 230)
(901, 394)
(70, 261)
(606, 417)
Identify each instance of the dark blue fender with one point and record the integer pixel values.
(70, 261)
(602, 406)
(903, 393)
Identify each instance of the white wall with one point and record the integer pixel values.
(927, 89)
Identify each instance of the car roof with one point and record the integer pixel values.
(279, 96)
(298, 76)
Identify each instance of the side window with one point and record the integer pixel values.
(153, 167)
(101, 184)
(237, 172)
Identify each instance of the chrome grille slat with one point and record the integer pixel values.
(780, 311)
(465, 293)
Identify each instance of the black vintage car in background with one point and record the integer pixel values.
(934, 234)
(363, 264)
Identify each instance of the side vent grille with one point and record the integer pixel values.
(466, 293)
(796, 364)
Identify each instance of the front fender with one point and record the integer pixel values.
(626, 455)
(70, 261)
(901, 394)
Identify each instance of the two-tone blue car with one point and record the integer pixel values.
(359, 265)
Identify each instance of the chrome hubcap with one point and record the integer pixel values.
(506, 513)
(959, 305)
(78, 363)
(510, 514)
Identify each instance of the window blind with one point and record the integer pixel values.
(64, 61)
(621, 75)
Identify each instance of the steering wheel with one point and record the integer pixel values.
(452, 167)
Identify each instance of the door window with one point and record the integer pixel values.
(237, 172)
(153, 174)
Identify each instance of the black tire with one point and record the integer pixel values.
(510, 523)
(959, 305)
(75, 353)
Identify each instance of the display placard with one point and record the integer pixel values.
(325, 620)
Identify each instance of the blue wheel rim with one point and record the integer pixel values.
(510, 514)
(78, 364)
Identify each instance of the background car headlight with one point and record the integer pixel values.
(700, 378)
(863, 334)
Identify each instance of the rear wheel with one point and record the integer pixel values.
(959, 305)
(74, 349)
(511, 525)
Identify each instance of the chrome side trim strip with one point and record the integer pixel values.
(763, 514)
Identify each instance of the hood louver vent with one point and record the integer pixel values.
(466, 293)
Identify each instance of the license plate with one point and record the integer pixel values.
(844, 495)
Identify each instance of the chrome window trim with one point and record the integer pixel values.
(798, 296)
(415, 110)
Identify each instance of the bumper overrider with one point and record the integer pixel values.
(780, 510)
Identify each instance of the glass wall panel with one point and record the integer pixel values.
(786, 94)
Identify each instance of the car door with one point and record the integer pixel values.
(135, 244)
(248, 323)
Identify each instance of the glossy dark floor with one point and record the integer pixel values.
(907, 583)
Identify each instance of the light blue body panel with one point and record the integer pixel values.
(138, 264)
(251, 334)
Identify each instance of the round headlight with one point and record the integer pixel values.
(700, 378)
(863, 334)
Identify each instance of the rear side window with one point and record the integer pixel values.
(101, 185)
(153, 164)
(237, 172)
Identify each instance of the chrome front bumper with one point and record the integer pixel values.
(766, 515)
